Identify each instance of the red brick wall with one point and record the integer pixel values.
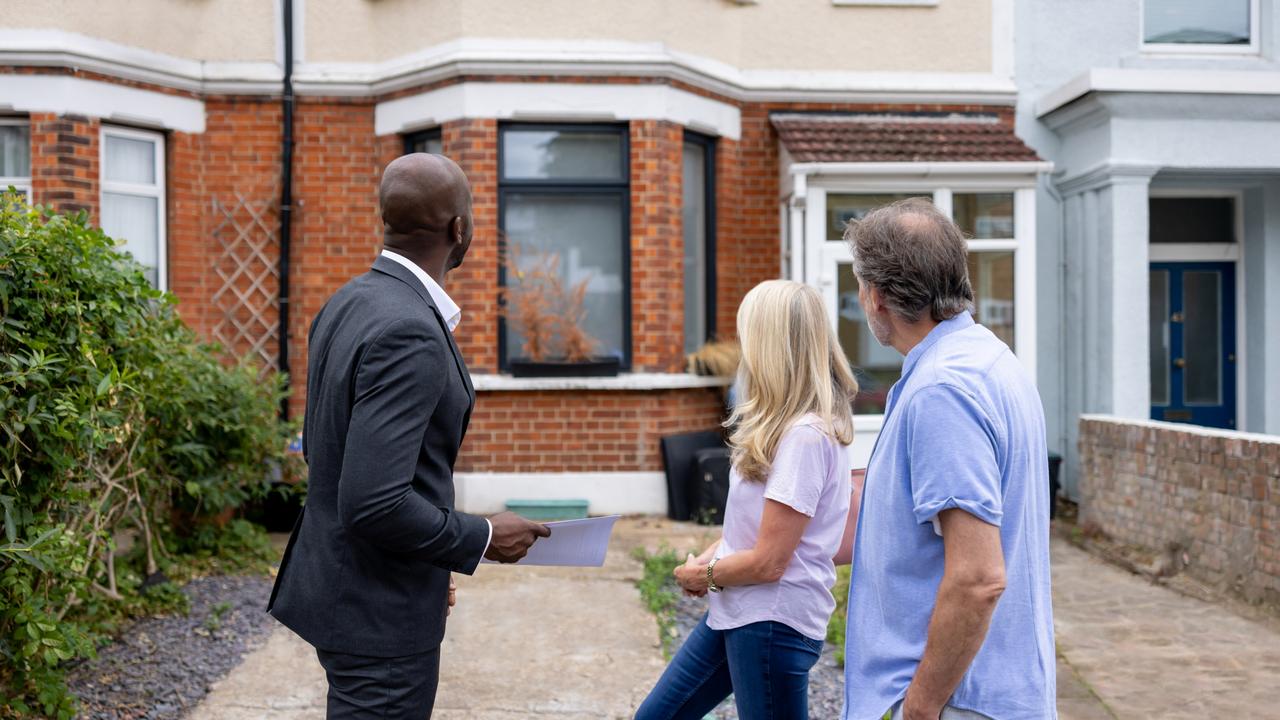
(1215, 496)
(473, 144)
(657, 247)
(337, 232)
(597, 430)
(64, 163)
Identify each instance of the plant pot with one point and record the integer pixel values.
(605, 366)
(547, 510)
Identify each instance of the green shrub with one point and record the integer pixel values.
(115, 422)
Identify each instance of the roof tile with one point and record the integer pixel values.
(878, 137)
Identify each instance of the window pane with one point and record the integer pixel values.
(130, 160)
(430, 142)
(134, 220)
(584, 233)
(1159, 343)
(1202, 338)
(15, 151)
(1196, 22)
(991, 275)
(843, 207)
(1192, 220)
(695, 245)
(984, 216)
(877, 367)
(556, 154)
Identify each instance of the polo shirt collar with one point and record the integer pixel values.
(943, 329)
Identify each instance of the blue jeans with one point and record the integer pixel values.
(765, 665)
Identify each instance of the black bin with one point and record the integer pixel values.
(1055, 465)
(710, 485)
(681, 468)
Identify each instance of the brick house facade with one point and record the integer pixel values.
(218, 228)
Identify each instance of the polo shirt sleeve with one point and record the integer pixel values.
(799, 470)
(952, 456)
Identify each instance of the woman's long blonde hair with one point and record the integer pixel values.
(791, 366)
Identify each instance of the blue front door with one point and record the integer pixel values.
(1193, 343)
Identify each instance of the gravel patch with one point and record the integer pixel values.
(826, 679)
(161, 667)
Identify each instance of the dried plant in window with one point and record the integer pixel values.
(546, 313)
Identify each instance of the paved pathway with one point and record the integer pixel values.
(575, 643)
(1149, 652)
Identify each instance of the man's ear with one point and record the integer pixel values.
(457, 230)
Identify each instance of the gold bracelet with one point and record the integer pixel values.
(711, 581)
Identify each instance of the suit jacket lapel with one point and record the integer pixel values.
(398, 271)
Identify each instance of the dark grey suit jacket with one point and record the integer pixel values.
(366, 571)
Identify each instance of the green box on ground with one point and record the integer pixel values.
(545, 510)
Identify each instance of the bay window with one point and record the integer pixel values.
(563, 197)
(698, 223)
(427, 141)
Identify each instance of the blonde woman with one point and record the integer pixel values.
(771, 573)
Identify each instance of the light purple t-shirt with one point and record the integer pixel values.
(810, 473)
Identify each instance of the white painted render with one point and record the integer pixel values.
(557, 102)
(109, 101)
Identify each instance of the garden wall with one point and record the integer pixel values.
(1213, 493)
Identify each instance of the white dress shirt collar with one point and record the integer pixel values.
(448, 308)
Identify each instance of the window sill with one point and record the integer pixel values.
(624, 382)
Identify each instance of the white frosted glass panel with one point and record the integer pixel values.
(134, 220)
(130, 160)
(553, 154)
(695, 246)
(1159, 334)
(585, 233)
(15, 151)
(1202, 337)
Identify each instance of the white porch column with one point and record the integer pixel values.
(1123, 243)
(1106, 235)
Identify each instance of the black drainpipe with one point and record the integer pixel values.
(286, 196)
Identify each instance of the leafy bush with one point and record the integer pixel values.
(115, 423)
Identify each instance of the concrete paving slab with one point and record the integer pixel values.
(1149, 652)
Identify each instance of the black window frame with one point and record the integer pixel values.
(708, 144)
(421, 136)
(570, 186)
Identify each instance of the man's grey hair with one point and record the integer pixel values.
(915, 257)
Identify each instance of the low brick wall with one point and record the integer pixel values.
(1213, 494)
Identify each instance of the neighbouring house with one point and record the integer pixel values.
(670, 154)
(1159, 238)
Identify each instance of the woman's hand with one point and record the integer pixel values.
(692, 577)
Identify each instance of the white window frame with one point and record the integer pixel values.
(156, 191)
(1253, 48)
(20, 182)
(822, 253)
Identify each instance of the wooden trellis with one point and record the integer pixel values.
(249, 278)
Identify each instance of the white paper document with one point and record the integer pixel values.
(575, 543)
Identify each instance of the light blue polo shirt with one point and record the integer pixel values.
(963, 428)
